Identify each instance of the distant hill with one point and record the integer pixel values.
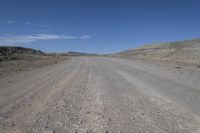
(72, 54)
(187, 51)
(75, 54)
(8, 50)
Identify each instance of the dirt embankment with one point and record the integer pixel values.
(14, 59)
(28, 62)
(182, 52)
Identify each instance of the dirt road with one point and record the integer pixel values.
(101, 95)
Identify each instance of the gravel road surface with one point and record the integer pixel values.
(101, 95)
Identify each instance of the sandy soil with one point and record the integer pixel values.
(181, 52)
(22, 63)
(101, 95)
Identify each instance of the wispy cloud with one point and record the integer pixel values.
(17, 22)
(12, 40)
(42, 25)
(85, 37)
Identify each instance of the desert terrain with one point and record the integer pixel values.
(180, 52)
(17, 59)
(153, 89)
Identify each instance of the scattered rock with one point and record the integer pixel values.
(1, 118)
(59, 123)
(142, 113)
(90, 131)
(88, 112)
(12, 123)
(19, 69)
(49, 131)
(177, 67)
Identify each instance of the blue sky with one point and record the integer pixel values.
(96, 26)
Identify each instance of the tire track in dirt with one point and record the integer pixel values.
(28, 95)
(95, 94)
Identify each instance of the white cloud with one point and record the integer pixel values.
(43, 25)
(12, 40)
(85, 37)
(17, 22)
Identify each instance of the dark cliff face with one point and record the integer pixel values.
(6, 51)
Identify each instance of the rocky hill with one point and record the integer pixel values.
(187, 52)
(7, 50)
